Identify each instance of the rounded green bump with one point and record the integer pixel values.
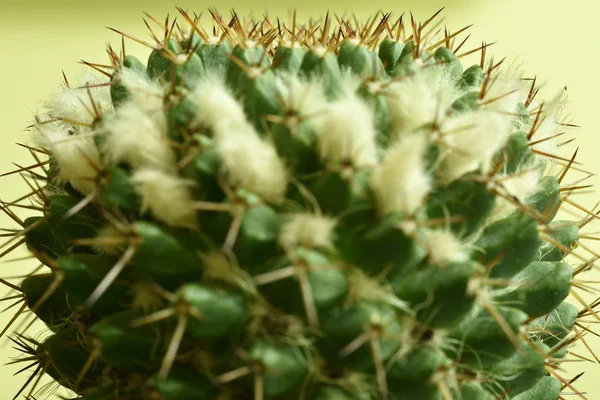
(410, 374)
(469, 202)
(326, 66)
(510, 244)
(472, 77)
(184, 383)
(118, 92)
(284, 367)
(215, 56)
(551, 329)
(547, 199)
(246, 59)
(358, 59)
(219, 311)
(57, 309)
(260, 97)
(158, 63)
(483, 341)
(474, 391)
(119, 190)
(84, 272)
(81, 225)
(517, 153)
(439, 294)
(333, 393)
(40, 238)
(389, 53)
(160, 247)
(327, 280)
(190, 71)
(378, 246)
(521, 371)
(468, 102)
(288, 58)
(448, 59)
(64, 355)
(405, 63)
(296, 144)
(126, 347)
(343, 325)
(180, 116)
(562, 239)
(547, 388)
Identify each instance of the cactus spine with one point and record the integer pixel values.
(308, 211)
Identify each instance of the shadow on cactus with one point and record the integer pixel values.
(306, 211)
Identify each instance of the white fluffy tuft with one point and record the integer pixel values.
(522, 184)
(166, 196)
(252, 163)
(349, 83)
(471, 140)
(306, 96)
(505, 90)
(518, 186)
(135, 137)
(348, 133)
(75, 153)
(70, 137)
(74, 103)
(549, 124)
(444, 247)
(111, 241)
(146, 93)
(217, 108)
(401, 182)
(308, 230)
(220, 268)
(419, 99)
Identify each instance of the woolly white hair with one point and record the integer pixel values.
(471, 139)
(401, 181)
(76, 155)
(362, 287)
(146, 93)
(110, 240)
(166, 196)
(252, 163)
(349, 83)
(348, 133)
(518, 186)
(74, 103)
(308, 230)
(134, 136)
(415, 100)
(549, 124)
(217, 108)
(505, 90)
(444, 247)
(69, 138)
(306, 96)
(219, 267)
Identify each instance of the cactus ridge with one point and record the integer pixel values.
(331, 211)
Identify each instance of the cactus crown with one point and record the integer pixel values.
(271, 211)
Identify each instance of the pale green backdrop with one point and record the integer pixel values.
(556, 39)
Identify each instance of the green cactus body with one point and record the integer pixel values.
(322, 214)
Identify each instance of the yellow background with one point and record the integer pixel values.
(557, 40)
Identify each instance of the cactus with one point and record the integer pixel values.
(270, 211)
